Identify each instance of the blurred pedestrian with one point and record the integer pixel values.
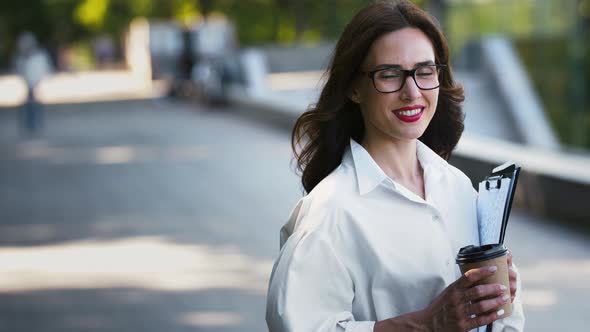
(32, 64)
(372, 246)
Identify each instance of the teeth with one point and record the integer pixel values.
(410, 113)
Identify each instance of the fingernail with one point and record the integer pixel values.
(492, 268)
(505, 297)
(500, 312)
(502, 287)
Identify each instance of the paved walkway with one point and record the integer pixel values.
(89, 86)
(140, 216)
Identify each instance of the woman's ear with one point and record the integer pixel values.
(354, 95)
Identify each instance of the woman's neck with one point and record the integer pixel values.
(398, 160)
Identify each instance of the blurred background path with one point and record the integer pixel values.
(147, 216)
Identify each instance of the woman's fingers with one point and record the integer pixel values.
(465, 305)
(485, 306)
(512, 277)
(482, 320)
(472, 276)
(479, 292)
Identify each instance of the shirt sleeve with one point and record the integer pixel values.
(514, 323)
(310, 289)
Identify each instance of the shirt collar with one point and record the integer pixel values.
(429, 158)
(369, 175)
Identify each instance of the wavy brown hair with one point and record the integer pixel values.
(323, 132)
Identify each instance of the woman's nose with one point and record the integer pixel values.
(410, 91)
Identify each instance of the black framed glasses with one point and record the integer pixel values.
(392, 79)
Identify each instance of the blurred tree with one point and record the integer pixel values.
(254, 19)
(438, 8)
(299, 10)
(60, 22)
(288, 21)
(92, 13)
(578, 77)
(206, 6)
(14, 20)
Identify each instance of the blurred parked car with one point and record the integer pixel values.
(165, 46)
(213, 47)
(202, 60)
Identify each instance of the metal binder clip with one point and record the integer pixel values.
(497, 179)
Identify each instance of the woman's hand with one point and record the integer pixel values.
(462, 306)
(512, 275)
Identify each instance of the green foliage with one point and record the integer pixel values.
(60, 22)
(82, 58)
(140, 7)
(465, 21)
(547, 40)
(91, 13)
(255, 20)
(14, 18)
(288, 21)
(185, 11)
(551, 71)
(468, 20)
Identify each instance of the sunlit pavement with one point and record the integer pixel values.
(79, 87)
(164, 216)
(140, 216)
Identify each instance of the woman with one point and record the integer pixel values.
(372, 245)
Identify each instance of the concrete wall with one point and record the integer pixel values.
(552, 184)
(497, 60)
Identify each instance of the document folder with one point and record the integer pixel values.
(494, 202)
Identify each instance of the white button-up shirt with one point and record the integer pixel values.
(360, 247)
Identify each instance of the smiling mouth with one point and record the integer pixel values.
(409, 115)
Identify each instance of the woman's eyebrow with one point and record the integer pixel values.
(396, 66)
(423, 63)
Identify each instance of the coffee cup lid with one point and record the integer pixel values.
(474, 254)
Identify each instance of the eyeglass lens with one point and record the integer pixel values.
(392, 79)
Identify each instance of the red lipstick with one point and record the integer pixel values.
(409, 114)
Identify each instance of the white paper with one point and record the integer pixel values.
(490, 210)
